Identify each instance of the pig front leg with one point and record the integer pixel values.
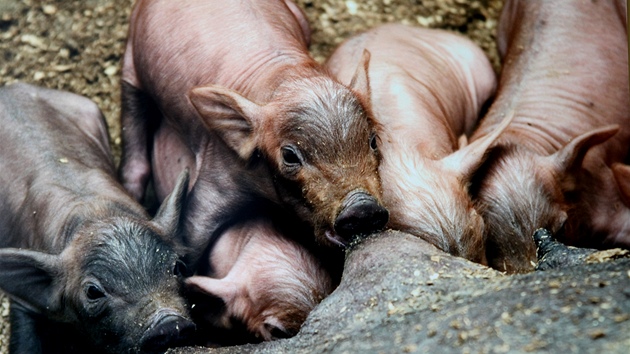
(135, 168)
(24, 339)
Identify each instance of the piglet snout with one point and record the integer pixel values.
(168, 330)
(361, 214)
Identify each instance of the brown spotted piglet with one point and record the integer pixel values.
(80, 259)
(229, 89)
(565, 78)
(427, 89)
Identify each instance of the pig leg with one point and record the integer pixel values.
(135, 168)
(23, 331)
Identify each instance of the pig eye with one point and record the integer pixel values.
(180, 269)
(373, 142)
(277, 332)
(290, 156)
(93, 292)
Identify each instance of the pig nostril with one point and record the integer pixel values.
(362, 215)
(169, 331)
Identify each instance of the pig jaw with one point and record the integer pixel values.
(124, 287)
(519, 195)
(323, 148)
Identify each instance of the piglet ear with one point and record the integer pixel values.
(232, 116)
(621, 173)
(569, 158)
(168, 217)
(221, 288)
(360, 82)
(31, 278)
(467, 160)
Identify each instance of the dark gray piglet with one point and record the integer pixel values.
(77, 251)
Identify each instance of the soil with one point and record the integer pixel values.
(77, 45)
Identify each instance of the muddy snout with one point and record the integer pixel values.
(167, 330)
(361, 213)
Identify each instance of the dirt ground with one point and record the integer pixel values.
(77, 45)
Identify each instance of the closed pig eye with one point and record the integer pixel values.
(291, 157)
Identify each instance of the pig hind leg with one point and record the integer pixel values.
(137, 131)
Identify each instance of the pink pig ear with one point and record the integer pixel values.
(569, 159)
(467, 160)
(360, 82)
(223, 289)
(232, 116)
(621, 173)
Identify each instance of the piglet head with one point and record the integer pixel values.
(432, 199)
(266, 281)
(523, 191)
(269, 308)
(118, 282)
(319, 138)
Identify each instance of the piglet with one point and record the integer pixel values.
(565, 77)
(229, 90)
(427, 89)
(265, 279)
(76, 250)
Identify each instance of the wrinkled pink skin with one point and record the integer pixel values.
(266, 280)
(565, 77)
(221, 87)
(427, 89)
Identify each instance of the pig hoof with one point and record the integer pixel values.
(553, 254)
